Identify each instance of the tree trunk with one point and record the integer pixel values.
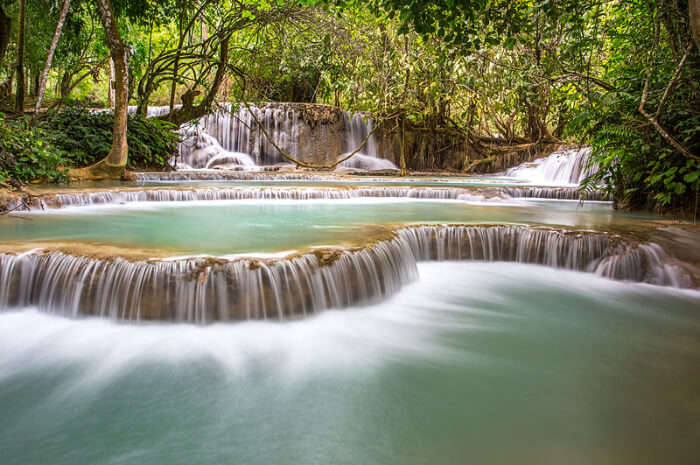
(402, 159)
(184, 114)
(19, 94)
(5, 25)
(49, 58)
(694, 12)
(110, 85)
(176, 64)
(112, 166)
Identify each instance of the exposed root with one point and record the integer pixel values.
(102, 170)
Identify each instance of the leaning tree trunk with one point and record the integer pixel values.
(49, 58)
(113, 165)
(19, 95)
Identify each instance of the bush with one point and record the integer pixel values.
(86, 137)
(25, 154)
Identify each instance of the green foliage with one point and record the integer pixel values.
(86, 137)
(25, 155)
(521, 71)
(637, 164)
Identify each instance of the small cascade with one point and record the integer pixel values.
(363, 162)
(154, 112)
(357, 127)
(77, 199)
(222, 175)
(563, 167)
(558, 249)
(595, 253)
(646, 263)
(209, 289)
(151, 112)
(203, 151)
(556, 193)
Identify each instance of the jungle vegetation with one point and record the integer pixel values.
(496, 75)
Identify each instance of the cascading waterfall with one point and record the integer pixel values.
(208, 289)
(202, 151)
(235, 131)
(492, 194)
(220, 175)
(203, 290)
(563, 167)
(363, 162)
(580, 251)
(357, 127)
(557, 193)
(76, 199)
(570, 250)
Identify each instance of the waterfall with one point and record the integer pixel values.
(208, 289)
(570, 250)
(236, 130)
(200, 150)
(364, 162)
(491, 194)
(203, 290)
(357, 127)
(151, 112)
(647, 263)
(574, 250)
(563, 167)
(75, 199)
(557, 193)
(220, 175)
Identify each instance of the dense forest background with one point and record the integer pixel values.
(495, 76)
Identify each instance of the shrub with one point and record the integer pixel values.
(26, 156)
(86, 137)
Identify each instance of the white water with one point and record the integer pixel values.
(203, 290)
(199, 150)
(485, 363)
(566, 167)
(76, 199)
(235, 131)
(363, 162)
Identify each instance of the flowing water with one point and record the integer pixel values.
(224, 227)
(486, 363)
(564, 167)
(230, 132)
(482, 322)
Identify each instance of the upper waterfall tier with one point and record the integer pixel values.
(563, 167)
(313, 134)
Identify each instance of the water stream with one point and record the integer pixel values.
(475, 362)
(442, 320)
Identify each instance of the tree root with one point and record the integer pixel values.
(102, 170)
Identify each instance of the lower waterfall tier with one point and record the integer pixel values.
(210, 289)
